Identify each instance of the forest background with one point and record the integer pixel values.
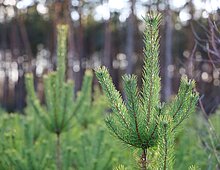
(108, 32)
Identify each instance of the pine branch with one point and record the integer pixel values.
(166, 144)
(83, 101)
(184, 103)
(120, 167)
(193, 167)
(141, 120)
(132, 104)
(68, 91)
(62, 31)
(41, 113)
(151, 79)
(114, 97)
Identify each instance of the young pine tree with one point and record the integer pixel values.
(61, 106)
(142, 121)
(21, 148)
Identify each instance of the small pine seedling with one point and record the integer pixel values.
(142, 121)
(61, 106)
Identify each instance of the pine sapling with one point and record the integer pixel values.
(141, 120)
(61, 105)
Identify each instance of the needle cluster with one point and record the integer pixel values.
(141, 120)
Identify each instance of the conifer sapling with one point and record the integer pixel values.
(142, 121)
(61, 105)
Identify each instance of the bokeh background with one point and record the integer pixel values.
(108, 32)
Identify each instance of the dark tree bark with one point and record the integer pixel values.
(24, 37)
(107, 59)
(6, 80)
(19, 88)
(191, 43)
(57, 18)
(71, 42)
(80, 43)
(167, 89)
(130, 39)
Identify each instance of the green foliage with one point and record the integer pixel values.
(94, 108)
(120, 167)
(19, 147)
(63, 112)
(21, 150)
(25, 144)
(28, 141)
(184, 103)
(194, 168)
(166, 143)
(189, 150)
(92, 153)
(58, 93)
(61, 105)
(2, 111)
(198, 143)
(210, 137)
(142, 121)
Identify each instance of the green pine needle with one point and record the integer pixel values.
(141, 120)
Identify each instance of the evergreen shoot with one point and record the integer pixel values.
(141, 120)
(98, 152)
(61, 105)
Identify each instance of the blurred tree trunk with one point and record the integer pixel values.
(71, 42)
(20, 91)
(81, 57)
(14, 40)
(20, 85)
(167, 88)
(107, 59)
(62, 15)
(24, 37)
(19, 88)
(6, 79)
(191, 42)
(130, 38)
(57, 14)
(57, 18)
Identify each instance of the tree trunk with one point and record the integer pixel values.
(58, 153)
(81, 58)
(107, 59)
(19, 88)
(5, 82)
(168, 53)
(24, 37)
(143, 160)
(71, 43)
(130, 39)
